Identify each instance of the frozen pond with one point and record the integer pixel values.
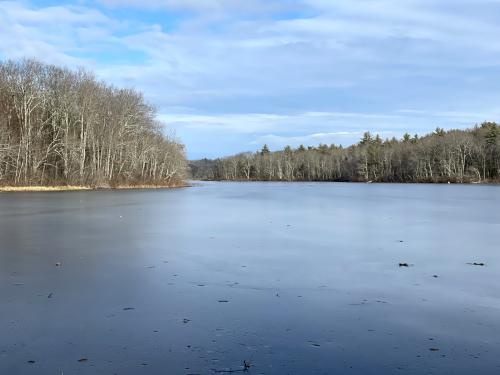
(298, 278)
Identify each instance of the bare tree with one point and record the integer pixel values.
(453, 156)
(58, 126)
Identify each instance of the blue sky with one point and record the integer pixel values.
(230, 75)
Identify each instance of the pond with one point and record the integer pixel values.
(292, 278)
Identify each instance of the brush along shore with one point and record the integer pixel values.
(6, 189)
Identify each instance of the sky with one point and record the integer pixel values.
(228, 76)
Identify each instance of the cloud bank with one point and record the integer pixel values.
(229, 75)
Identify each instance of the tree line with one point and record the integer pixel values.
(59, 126)
(471, 155)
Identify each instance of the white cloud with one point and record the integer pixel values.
(330, 123)
(56, 34)
(257, 6)
(247, 69)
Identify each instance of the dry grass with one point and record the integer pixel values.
(43, 188)
(75, 188)
(123, 187)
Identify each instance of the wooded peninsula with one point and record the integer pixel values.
(460, 156)
(60, 127)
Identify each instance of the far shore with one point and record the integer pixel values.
(483, 182)
(7, 189)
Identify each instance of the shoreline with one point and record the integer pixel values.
(66, 188)
(486, 182)
(61, 188)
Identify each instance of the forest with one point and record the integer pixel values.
(65, 127)
(460, 156)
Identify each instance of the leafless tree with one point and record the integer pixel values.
(59, 126)
(453, 156)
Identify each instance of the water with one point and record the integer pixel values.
(136, 282)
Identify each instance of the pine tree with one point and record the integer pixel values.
(265, 150)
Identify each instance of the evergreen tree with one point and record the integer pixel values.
(265, 150)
